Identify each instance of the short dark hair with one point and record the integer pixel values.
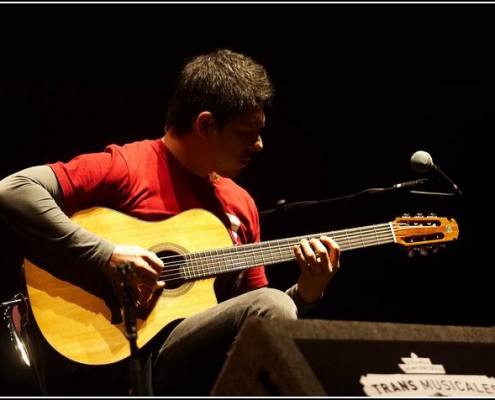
(223, 82)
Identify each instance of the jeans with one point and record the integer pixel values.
(193, 354)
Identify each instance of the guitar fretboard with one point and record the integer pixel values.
(233, 258)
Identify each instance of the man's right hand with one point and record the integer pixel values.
(145, 270)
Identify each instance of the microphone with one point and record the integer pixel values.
(410, 183)
(422, 162)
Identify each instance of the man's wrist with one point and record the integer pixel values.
(303, 307)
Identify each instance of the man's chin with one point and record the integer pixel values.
(234, 173)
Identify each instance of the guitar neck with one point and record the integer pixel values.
(235, 258)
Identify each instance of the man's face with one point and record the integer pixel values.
(237, 142)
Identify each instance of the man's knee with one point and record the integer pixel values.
(274, 303)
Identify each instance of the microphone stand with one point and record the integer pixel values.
(135, 367)
(282, 206)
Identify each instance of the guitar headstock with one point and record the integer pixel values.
(424, 233)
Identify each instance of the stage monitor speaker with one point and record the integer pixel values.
(357, 358)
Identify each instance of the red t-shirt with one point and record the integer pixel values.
(144, 180)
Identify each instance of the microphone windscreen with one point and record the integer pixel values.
(421, 161)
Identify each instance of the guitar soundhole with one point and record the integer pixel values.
(173, 273)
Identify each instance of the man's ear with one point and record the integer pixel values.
(205, 123)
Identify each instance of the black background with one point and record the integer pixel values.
(359, 88)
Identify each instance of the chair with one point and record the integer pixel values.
(16, 315)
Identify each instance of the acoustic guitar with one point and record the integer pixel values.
(195, 247)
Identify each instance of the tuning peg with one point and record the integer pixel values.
(424, 250)
(421, 250)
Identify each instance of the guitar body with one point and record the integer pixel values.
(78, 324)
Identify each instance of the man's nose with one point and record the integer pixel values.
(258, 144)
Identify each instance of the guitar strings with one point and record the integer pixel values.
(196, 265)
(192, 265)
